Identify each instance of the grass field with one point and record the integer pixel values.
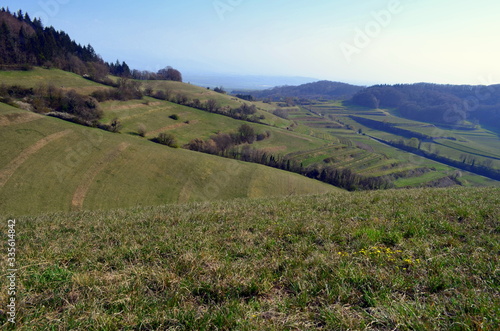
(422, 259)
(154, 115)
(115, 232)
(42, 77)
(310, 136)
(223, 100)
(47, 164)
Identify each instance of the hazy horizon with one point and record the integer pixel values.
(373, 42)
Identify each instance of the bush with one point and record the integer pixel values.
(280, 112)
(115, 125)
(175, 117)
(141, 130)
(167, 139)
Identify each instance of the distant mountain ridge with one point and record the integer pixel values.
(231, 82)
(318, 90)
(435, 103)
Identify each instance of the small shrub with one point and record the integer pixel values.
(167, 139)
(115, 125)
(175, 117)
(141, 130)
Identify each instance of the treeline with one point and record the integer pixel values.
(25, 42)
(228, 145)
(221, 143)
(126, 89)
(46, 99)
(444, 104)
(391, 128)
(56, 102)
(245, 112)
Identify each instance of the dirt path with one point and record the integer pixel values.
(295, 135)
(171, 127)
(89, 177)
(133, 106)
(18, 118)
(13, 165)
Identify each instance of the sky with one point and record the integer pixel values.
(359, 42)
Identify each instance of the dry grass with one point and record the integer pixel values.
(404, 260)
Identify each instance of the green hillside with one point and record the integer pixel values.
(322, 134)
(59, 78)
(47, 165)
(380, 260)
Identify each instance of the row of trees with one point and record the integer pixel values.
(56, 102)
(45, 99)
(245, 112)
(343, 178)
(467, 163)
(221, 143)
(167, 73)
(229, 146)
(126, 89)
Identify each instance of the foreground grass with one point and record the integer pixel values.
(406, 260)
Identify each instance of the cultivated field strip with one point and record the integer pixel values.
(89, 177)
(11, 168)
(18, 118)
(170, 127)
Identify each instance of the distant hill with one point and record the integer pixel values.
(243, 82)
(443, 104)
(318, 90)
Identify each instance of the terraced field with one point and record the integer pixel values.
(454, 143)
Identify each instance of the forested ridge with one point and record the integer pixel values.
(25, 42)
(465, 105)
(317, 90)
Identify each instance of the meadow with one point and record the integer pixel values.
(420, 259)
(320, 134)
(61, 166)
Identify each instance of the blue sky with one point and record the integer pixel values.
(367, 41)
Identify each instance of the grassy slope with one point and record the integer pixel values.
(315, 138)
(406, 260)
(59, 78)
(48, 165)
(203, 94)
(155, 116)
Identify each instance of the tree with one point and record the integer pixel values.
(170, 73)
(211, 105)
(167, 139)
(247, 133)
(141, 130)
(220, 90)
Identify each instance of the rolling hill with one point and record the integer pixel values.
(308, 136)
(51, 165)
(316, 90)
